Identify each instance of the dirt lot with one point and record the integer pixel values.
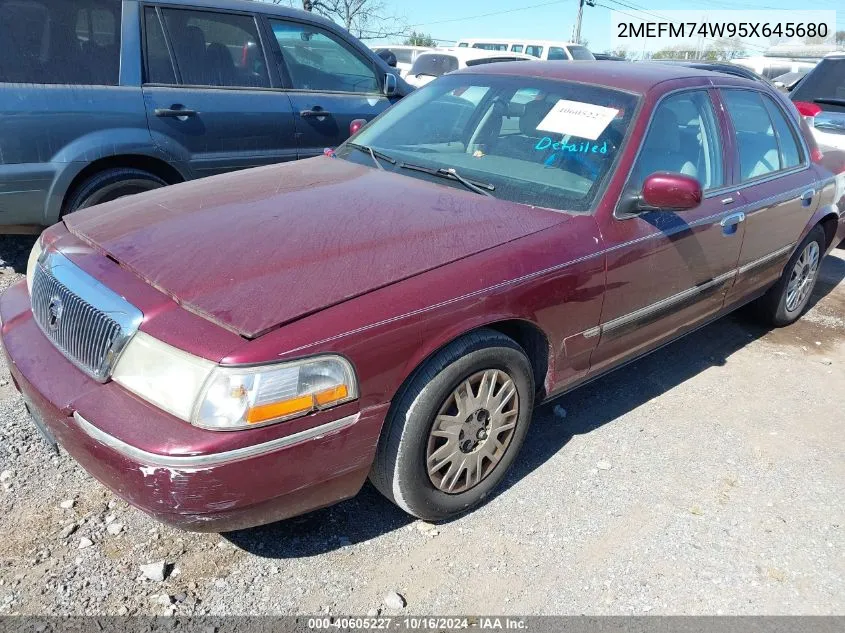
(706, 478)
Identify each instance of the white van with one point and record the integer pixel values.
(542, 49)
(429, 65)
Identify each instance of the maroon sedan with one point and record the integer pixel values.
(241, 349)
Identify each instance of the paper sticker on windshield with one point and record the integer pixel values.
(584, 120)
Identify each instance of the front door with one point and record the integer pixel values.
(332, 83)
(777, 187)
(668, 271)
(208, 93)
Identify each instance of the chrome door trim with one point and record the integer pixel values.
(146, 458)
(766, 258)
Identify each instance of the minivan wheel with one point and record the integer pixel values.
(111, 184)
(457, 427)
(786, 301)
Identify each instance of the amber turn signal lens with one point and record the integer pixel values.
(265, 412)
(322, 398)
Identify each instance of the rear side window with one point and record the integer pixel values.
(516, 48)
(159, 68)
(824, 86)
(580, 52)
(434, 65)
(536, 51)
(760, 153)
(60, 42)
(316, 60)
(216, 49)
(556, 52)
(790, 153)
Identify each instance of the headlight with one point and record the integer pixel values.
(230, 398)
(237, 398)
(34, 254)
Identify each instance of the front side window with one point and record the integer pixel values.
(317, 60)
(682, 138)
(51, 42)
(556, 52)
(216, 49)
(540, 142)
(534, 51)
(759, 153)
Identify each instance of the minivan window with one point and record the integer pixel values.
(216, 49)
(317, 60)
(759, 153)
(490, 47)
(536, 51)
(825, 82)
(556, 52)
(54, 42)
(538, 158)
(516, 48)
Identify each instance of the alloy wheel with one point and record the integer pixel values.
(803, 277)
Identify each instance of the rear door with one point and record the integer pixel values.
(331, 82)
(210, 96)
(776, 186)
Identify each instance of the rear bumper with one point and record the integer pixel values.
(185, 481)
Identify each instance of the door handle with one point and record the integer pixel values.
(174, 112)
(316, 112)
(730, 223)
(807, 197)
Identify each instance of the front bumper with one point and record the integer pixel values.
(184, 476)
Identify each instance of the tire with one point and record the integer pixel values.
(407, 445)
(111, 184)
(778, 307)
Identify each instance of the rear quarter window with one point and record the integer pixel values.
(59, 42)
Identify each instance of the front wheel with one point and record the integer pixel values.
(789, 297)
(457, 427)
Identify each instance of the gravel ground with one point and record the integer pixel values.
(706, 478)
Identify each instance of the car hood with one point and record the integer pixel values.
(256, 249)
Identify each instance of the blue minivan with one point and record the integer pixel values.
(104, 98)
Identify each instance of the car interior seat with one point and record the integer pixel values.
(663, 149)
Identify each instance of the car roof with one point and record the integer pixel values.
(523, 40)
(469, 54)
(630, 76)
(718, 67)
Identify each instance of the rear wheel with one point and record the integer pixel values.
(457, 427)
(112, 184)
(786, 301)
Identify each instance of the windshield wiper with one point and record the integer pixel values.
(374, 153)
(484, 188)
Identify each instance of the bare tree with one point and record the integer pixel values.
(366, 19)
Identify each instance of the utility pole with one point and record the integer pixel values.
(576, 31)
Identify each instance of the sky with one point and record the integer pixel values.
(553, 20)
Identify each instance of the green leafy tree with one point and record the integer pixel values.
(420, 39)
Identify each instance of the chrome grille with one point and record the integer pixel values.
(89, 323)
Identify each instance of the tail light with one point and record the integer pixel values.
(807, 109)
(356, 125)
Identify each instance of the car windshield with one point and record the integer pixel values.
(434, 65)
(534, 141)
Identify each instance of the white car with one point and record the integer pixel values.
(405, 55)
(541, 49)
(820, 98)
(432, 64)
